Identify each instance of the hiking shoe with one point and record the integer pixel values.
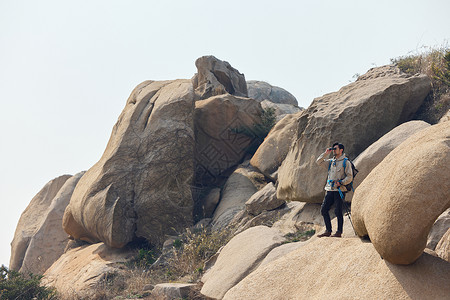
(337, 234)
(326, 233)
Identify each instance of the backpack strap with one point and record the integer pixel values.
(351, 183)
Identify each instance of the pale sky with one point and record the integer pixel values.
(68, 67)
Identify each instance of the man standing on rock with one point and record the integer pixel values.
(337, 179)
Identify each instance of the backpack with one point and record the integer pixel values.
(348, 187)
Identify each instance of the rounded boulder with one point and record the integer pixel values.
(398, 202)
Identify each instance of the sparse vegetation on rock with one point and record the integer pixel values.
(183, 261)
(435, 63)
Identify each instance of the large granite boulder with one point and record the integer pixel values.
(49, 241)
(30, 223)
(357, 115)
(263, 200)
(80, 272)
(239, 258)
(141, 185)
(215, 77)
(239, 187)
(261, 90)
(300, 213)
(273, 150)
(399, 201)
(330, 268)
(375, 153)
(220, 145)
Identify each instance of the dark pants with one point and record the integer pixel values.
(330, 198)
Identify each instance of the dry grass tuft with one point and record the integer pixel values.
(435, 63)
(195, 249)
(182, 263)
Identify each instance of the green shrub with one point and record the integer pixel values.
(304, 233)
(15, 285)
(300, 236)
(145, 257)
(177, 244)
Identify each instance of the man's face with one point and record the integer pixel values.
(337, 150)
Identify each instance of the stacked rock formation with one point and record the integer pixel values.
(179, 153)
(216, 77)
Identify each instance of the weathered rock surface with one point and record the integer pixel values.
(281, 110)
(357, 115)
(141, 185)
(239, 258)
(237, 190)
(172, 290)
(243, 220)
(446, 117)
(300, 212)
(282, 250)
(219, 148)
(261, 91)
(440, 227)
(383, 71)
(30, 223)
(216, 77)
(276, 145)
(398, 202)
(375, 153)
(443, 247)
(78, 273)
(50, 240)
(331, 268)
(264, 199)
